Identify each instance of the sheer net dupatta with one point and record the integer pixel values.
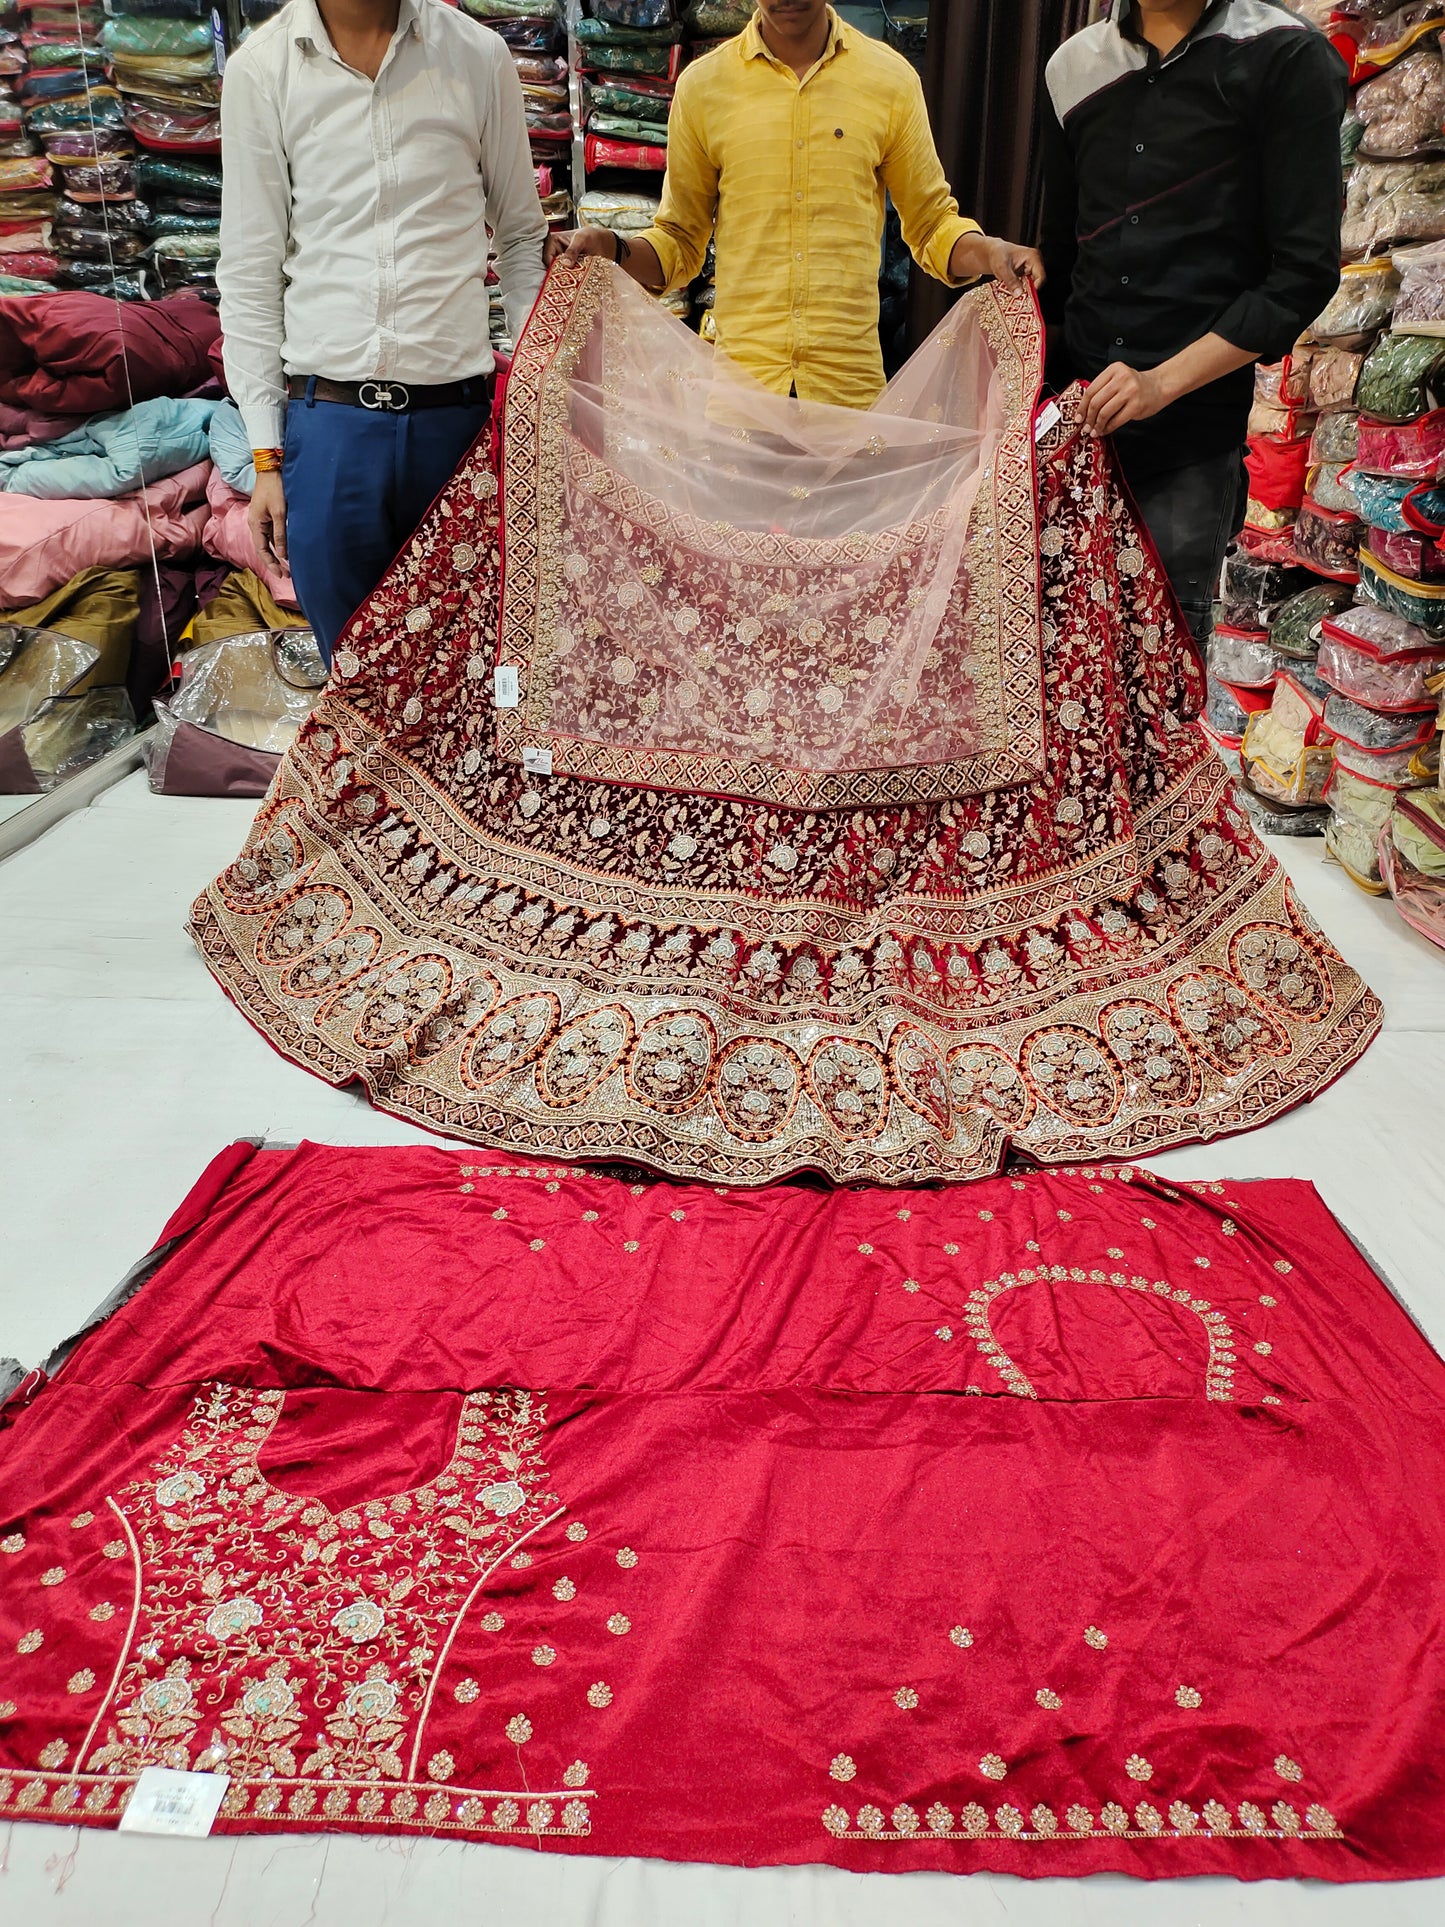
(710, 588)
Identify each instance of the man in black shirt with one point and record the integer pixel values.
(1191, 227)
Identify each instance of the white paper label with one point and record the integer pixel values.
(506, 686)
(183, 1804)
(537, 762)
(1048, 416)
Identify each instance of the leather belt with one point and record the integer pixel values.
(388, 397)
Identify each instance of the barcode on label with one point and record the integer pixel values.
(182, 1804)
(537, 762)
(1048, 416)
(506, 686)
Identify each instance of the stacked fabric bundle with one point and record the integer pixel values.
(624, 213)
(631, 54)
(1347, 443)
(534, 32)
(165, 69)
(103, 498)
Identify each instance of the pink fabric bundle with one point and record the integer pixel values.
(44, 544)
(21, 426)
(227, 535)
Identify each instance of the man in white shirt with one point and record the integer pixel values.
(368, 147)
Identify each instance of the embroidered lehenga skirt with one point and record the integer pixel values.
(731, 789)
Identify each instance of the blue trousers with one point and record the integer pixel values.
(357, 484)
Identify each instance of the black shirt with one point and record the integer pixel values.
(1194, 195)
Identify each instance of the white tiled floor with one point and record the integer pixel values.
(122, 1071)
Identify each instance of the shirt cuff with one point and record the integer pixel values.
(668, 252)
(941, 245)
(1259, 326)
(265, 424)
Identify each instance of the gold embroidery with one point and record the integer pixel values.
(992, 1767)
(519, 1729)
(30, 1642)
(842, 1767)
(600, 1694)
(626, 1558)
(1138, 1768)
(1093, 1637)
(1188, 1697)
(905, 1699)
(960, 1635)
(1047, 1699)
(1288, 1769)
(619, 1623)
(1214, 1821)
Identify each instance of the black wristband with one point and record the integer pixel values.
(616, 249)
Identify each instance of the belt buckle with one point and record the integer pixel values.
(386, 397)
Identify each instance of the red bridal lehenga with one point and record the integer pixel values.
(746, 787)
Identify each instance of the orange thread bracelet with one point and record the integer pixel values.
(267, 460)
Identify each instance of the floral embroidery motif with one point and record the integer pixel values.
(993, 1767)
(842, 1767)
(1213, 1820)
(960, 1635)
(1219, 1373)
(599, 1694)
(296, 1646)
(1093, 1637)
(626, 1557)
(905, 1699)
(1049, 1700)
(1188, 1697)
(1138, 1768)
(519, 1729)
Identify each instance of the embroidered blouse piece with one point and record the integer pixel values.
(1060, 1524)
(560, 913)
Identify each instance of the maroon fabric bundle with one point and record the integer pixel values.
(78, 353)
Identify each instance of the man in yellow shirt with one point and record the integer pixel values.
(786, 141)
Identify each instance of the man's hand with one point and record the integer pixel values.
(1122, 394)
(569, 249)
(975, 255)
(267, 518)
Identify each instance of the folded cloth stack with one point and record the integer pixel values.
(631, 52)
(535, 34)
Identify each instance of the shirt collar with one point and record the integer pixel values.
(310, 29)
(754, 47)
(1125, 22)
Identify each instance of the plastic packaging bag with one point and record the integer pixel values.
(1416, 557)
(1334, 374)
(1397, 503)
(1272, 817)
(1282, 766)
(1415, 449)
(1285, 383)
(640, 15)
(1389, 38)
(1392, 201)
(1335, 439)
(239, 704)
(37, 665)
(1359, 812)
(1361, 306)
(1422, 603)
(1329, 486)
(1223, 711)
(1242, 657)
(1420, 304)
(622, 212)
(609, 153)
(1398, 380)
(1379, 683)
(1411, 856)
(1328, 542)
(718, 19)
(72, 732)
(1373, 730)
(1277, 471)
(1403, 109)
(1251, 590)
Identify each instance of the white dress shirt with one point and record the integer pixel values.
(354, 213)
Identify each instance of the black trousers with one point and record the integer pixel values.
(1193, 513)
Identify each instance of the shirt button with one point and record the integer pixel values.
(1118, 341)
(1140, 148)
(1133, 220)
(800, 143)
(1123, 280)
(798, 196)
(797, 257)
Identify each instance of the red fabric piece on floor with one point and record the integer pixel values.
(1051, 1525)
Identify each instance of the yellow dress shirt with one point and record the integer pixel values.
(793, 174)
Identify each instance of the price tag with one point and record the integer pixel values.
(506, 686)
(218, 41)
(1049, 415)
(537, 762)
(184, 1805)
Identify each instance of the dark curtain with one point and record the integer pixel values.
(982, 80)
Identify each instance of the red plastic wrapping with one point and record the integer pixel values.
(606, 153)
(1277, 471)
(1328, 542)
(1415, 556)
